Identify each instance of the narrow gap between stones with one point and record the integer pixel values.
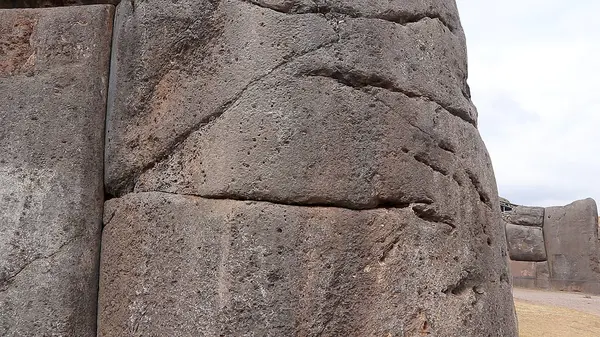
(52, 3)
(378, 204)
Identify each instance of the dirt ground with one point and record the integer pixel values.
(575, 301)
(557, 314)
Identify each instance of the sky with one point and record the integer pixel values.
(534, 74)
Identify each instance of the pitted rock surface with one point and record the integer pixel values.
(53, 86)
(525, 216)
(220, 55)
(175, 265)
(298, 168)
(572, 246)
(525, 243)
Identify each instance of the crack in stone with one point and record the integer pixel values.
(461, 286)
(112, 215)
(180, 139)
(393, 16)
(388, 248)
(359, 80)
(5, 283)
(430, 214)
(483, 197)
(283, 202)
(422, 158)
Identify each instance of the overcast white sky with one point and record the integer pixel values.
(534, 73)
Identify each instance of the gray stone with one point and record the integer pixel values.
(572, 246)
(525, 243)
(209, 65)
(53, 77)
(542, 275)
(331, 113)
(51, 3)
(525, 216)
(175, 265)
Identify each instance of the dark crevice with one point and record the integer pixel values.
(107, 222)
(404, 18)
(483, 197)
(52, 3)
(464, 284)
(422, 158)
(447, 146)
(388, 248)
(108, 196)
(394, 16)
(314, 202)
(457, 179)
(430, 214)
(357, 79)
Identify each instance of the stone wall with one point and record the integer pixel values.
(53, 86)
(556, 247)
(274, 168)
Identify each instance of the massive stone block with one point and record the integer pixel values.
(525, 243)
(332, 112)
(572, 246)
(175, 265)
(217, 60)
(53, 85)
(525, 216)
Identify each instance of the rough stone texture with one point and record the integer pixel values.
(525, 243)
(572, 246)
(239, 67)
(333, 112)
(175, 265)
(542, 275)
(51, 3)
(53, 78)
(525, 216)
(523, 273)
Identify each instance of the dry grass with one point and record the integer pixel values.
(549, 321)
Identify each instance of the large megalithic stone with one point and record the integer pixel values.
(572, 246)
(297, 169)
(53, 86)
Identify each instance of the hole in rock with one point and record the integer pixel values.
(52, 3)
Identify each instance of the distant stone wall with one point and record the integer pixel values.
(555, 247)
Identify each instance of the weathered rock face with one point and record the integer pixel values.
(53, 77)
(525, 243)
(51, 3)
(572, 246)
(238, 71)
(525, 216)
(176, 265)
(294, 168)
